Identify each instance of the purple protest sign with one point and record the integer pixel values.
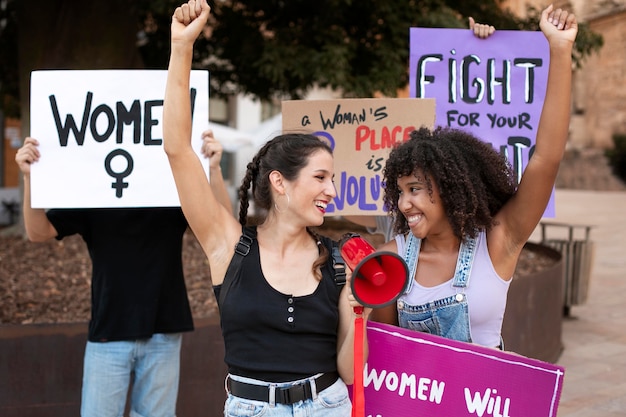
(409, 373)
(493, 88)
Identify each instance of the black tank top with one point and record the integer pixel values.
(276, 337)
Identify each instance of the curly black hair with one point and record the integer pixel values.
(473, 179)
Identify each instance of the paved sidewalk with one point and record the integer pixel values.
(594, 337)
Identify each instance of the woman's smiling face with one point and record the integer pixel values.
(314, 189)
(422, 209)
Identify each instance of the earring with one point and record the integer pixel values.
(285, 209)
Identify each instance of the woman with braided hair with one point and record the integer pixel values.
(288, 324)
(460, 217)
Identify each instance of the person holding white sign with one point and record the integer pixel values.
(139, 300)
(462, 221)
(287, 317)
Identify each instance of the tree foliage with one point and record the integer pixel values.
(280, 48)
(9, 74)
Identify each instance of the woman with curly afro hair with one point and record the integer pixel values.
(462, 221)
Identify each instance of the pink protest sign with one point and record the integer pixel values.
(493, 88)
(409, 373)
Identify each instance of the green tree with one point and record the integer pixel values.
(64, 34)
(280, 48)
(9, 91)
(266, 48)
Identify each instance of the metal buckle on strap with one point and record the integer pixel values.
(243, 246)
(339, 266)
(291, 395)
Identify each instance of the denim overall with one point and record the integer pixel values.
(447, 317)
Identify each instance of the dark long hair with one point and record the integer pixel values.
(287, 154)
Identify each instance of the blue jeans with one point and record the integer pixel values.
(107, 371)
(331, 402)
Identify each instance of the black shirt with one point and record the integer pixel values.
(137, 287)
(277, 337)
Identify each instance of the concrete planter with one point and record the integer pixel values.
(41, 365)
(41, 370)
(533, 319)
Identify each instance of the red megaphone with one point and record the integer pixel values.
(378, 278)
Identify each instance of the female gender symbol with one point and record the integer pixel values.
(119, 185)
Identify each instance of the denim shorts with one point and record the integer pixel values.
(107, 375)
(334, 401)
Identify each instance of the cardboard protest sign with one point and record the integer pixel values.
(410, 373)
(361, 133)
(493, 88)
(101, 139)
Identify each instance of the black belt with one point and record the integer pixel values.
(282, 395)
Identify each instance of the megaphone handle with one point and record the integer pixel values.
(358, 405)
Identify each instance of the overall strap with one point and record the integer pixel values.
(412, 245)
(242, 248)
(463, 269)
(464, 263)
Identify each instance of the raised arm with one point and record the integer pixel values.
(524, 210)
(38, 227)
(213, 225)
(213, 150)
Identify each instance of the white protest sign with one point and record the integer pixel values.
(101, 137)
